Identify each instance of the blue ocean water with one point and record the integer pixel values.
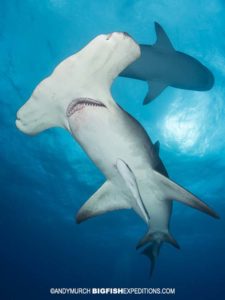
(45, 179)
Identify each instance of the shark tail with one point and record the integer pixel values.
(152, 252)
(156, 239)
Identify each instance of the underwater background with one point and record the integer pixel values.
(45, 179)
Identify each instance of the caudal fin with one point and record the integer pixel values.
(156, 239)
(152, 252)
(159, 237)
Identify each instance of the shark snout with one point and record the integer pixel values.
(28, 118)
(22, 121)
(19, 117)
(21, 125)
(20, 114)
(24, 112)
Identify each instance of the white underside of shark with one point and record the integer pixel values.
(77, 97)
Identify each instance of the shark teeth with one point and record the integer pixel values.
(80, 103)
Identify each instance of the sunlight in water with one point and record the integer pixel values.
(182, 129)
(185, 125)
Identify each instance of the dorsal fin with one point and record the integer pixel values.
(157, 147)
(162, 43)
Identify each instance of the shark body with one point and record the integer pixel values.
(76, 96)
(161, 66)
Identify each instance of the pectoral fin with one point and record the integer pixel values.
(173, 191)
(131, 183)
(155, 88)
(107, 198)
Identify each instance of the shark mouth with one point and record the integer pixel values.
(81, 103)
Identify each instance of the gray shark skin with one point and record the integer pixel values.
(77, 97)
(161, 66)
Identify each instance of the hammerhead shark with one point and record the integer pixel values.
(77, 97)
(161, 66)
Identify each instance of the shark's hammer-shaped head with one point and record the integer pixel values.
(86, 74)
